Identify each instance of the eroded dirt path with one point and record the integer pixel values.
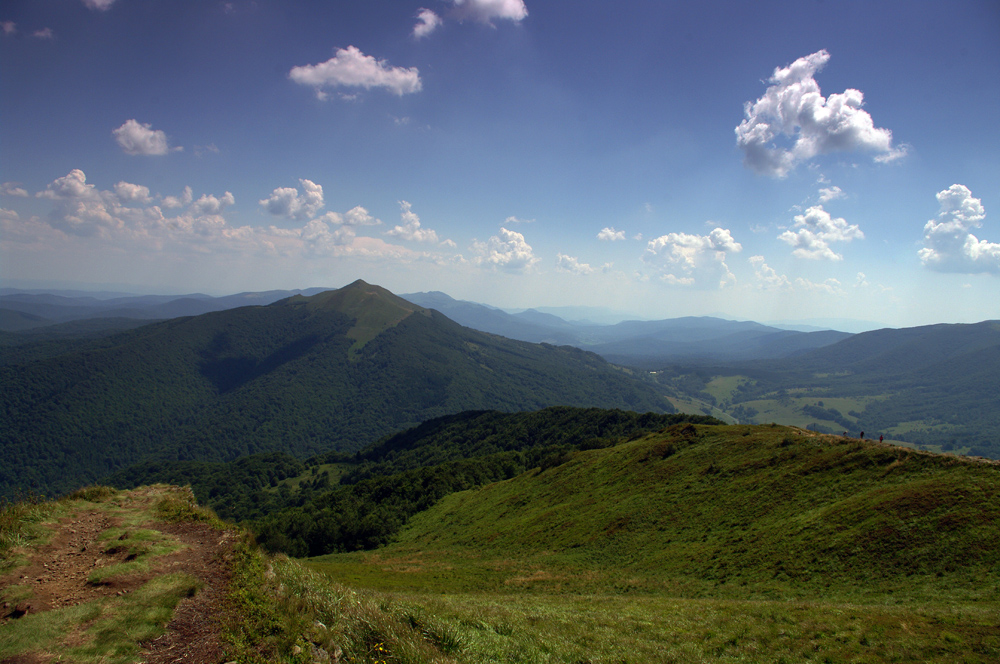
(57, 577)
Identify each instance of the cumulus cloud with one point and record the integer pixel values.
(72, 185)
(44, 33)
(794, 107)
(141, 139)
(767, 278)
(427, 22)
(209, 204)
(349, 67)
(827, 194)
(358, 216)
(949, 245)
(287, 202)
(610, 234)
(816, 229)
(688, 260)
(128, 219)
(173, 202)
(507, 251)
(133, 193)
(571, 264)
(485, 11)
(99, 5)
(410, 229)
(8, 27)
(12, 189)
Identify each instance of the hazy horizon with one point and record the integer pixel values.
(788, 161)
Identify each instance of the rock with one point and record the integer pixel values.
(318, 655)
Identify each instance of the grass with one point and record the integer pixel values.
(108, 631)
(139, 546)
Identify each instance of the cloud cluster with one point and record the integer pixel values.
(610, 234)
(827, 194)
(410, 229)
(769, 279)
(13, 189)
(794, 107)
(485, 11)
(287, 202)
(141, 139)
(507, 251)
(949, 245)
(816, 229)
(572, 265)
(349, 67)
(427, 22)
(131, 219)
(693, 260)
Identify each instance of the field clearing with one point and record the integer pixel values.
(557, 627)
(723, 387)
(697, 407)
(789, 410)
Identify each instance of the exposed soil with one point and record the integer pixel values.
(57, 575)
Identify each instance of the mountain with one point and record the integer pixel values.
(634, 342)
(306, 374)
(39, 309)
(932, 385)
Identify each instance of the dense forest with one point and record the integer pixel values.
(306, 375)
(372, 493)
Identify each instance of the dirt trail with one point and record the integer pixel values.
(57, 576)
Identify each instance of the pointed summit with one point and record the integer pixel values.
(373, 308)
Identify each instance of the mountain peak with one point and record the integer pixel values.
(373, 308)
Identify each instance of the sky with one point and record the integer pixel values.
(768, 161)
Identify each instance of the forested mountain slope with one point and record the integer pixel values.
(303, 375)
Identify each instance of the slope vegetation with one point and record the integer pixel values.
(301, 376)
(722, 510)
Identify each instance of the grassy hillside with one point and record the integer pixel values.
(301, 376)
(727, 511)
(931, 386)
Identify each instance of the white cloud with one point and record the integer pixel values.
(44, 33)
(142, 139)
(127, 221)
(358, 216)
(571, 264)
(427, 22)
(769, 279)
(816, 229)
(349, 67)
(507, 251)
(949, 246)
(827, 194)
(687, 260)
(410, 228)
(12, 189)
(610, 234)
(99, 5)
(8, 27)
(209, 204)
(133, 193)
(287, 202)
(173, 202)
(515, 220)
(72, 185)
(487, 10)
(794, 107)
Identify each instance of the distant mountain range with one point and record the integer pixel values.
(303, 375)
(649, 343)
(690, 339)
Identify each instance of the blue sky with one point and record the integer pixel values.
(766, 161)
